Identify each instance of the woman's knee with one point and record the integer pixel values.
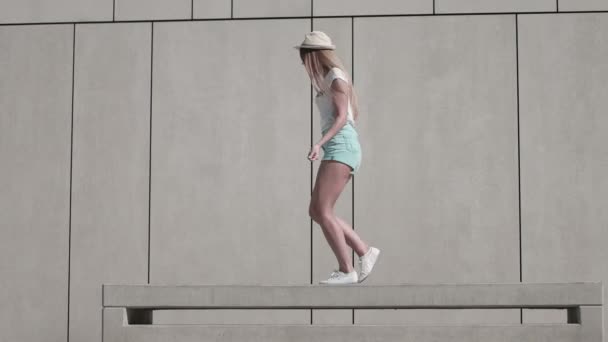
(315, 212)
(312, 212)
(324, 217)
(318, 213)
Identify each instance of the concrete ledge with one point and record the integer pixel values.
(405, 296)
(128, 311)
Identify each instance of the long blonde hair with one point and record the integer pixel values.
(315, 60)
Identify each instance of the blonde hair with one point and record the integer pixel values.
(315, 60)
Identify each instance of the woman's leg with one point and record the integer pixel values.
(352, 238)
(331, 178)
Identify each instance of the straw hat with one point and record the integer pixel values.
(316, 40)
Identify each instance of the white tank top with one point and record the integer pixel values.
(325, 104)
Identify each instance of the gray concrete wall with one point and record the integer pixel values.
(143, 143)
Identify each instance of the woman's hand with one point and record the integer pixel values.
(314, 152)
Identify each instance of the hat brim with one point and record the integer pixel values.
(316, 47)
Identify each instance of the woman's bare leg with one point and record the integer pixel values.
(331, 179)
(352, 238)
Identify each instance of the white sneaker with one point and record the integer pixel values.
(338, 277)
(367, 261)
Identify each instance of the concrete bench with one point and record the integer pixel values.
(128, 309)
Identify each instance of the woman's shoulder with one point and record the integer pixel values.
(336, 72)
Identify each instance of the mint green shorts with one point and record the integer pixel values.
(344, 147)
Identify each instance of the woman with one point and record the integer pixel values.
(341, 155)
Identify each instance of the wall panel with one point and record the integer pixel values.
(488, 6)
(271, 8)
(35, 127)
(583, 5)
(564, 156)
(363, 7)
(27, 11)
(212, 8)
(153, 9)
(110, 179)
(230, 135)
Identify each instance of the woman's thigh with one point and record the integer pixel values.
(332, 177)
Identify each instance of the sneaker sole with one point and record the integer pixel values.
(354, 282)
(347, 283)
